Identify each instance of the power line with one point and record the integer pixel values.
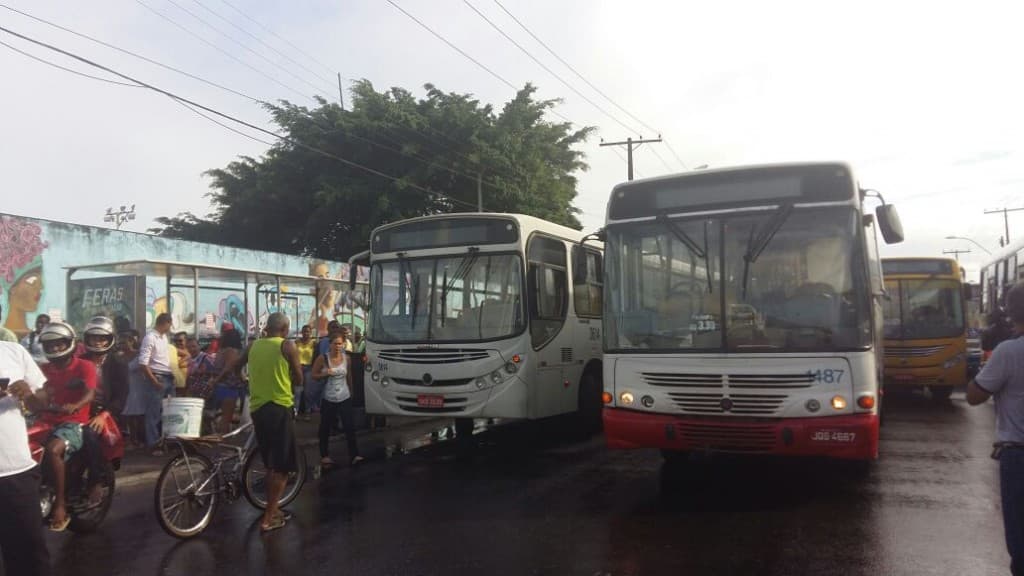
(221, 124)
(658, 156)
(219, 49)
(238, 121)
(548, 70)
(275, 35)
(574, 71)
(244, 47)
(453, 46)
(76, 72)
(623, 158)
(678, 159)
(133, 54)
(261, 41)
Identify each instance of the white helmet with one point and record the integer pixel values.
(55, 332)
(99, 326)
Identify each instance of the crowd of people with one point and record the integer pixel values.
(79, 385)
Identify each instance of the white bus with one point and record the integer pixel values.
(477, 316)
(742, 312)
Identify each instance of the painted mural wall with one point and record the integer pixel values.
(34, 255)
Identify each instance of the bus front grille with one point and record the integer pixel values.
(683, 380)
(727, 438)
(433, 383)
(738, 404)
(432, 356)
(911, 351)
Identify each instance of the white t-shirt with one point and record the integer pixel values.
(16, 364)
(1003, 377)
(336, 389)
(155, 352)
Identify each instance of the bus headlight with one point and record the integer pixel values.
(838, 402)
(511, 367)
(812, 405)
(952, 361)
(375, 376)
(496, 377)
(606, 397)
(480, 383)
(647, 401)
(384, 382)
(626, 398)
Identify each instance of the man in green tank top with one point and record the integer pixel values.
(273, 364)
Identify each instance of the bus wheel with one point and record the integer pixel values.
(941, 393)
(588, 412)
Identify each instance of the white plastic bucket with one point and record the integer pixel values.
(183, 417)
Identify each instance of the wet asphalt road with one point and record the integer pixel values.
(531, 505)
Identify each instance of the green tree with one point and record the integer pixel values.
(301, 197)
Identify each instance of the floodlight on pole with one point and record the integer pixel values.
(121, 216)
(987, 251)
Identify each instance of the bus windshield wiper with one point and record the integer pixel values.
(689, 242)
(759, 241)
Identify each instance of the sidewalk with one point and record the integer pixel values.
(401, 434)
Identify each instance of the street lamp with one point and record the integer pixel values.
(987, 251)
(119, 217)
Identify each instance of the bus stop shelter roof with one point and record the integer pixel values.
(206, 272)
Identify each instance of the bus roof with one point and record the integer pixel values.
(921, 266)
(524, 221)
(801, 182)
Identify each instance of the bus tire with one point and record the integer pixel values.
(589, 409)
(941, 393)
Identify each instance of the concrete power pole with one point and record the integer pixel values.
(1006, 221)
(631, 145)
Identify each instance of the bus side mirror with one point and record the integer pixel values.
(889, 223)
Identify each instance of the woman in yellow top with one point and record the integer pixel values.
(307, 349)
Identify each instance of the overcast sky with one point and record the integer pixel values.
(925, 103)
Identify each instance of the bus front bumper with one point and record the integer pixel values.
(852, 437)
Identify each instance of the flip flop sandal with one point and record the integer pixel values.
(275, 523)
(60, 527)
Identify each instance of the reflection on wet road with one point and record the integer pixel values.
(532, 502)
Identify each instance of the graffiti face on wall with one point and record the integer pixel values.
(21, 271)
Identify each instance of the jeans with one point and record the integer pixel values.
(155, 406)
(300, 403)
(314, 393)
(1011, 483)
(329, 412)
(21, 530)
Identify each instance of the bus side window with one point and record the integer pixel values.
(548, 285)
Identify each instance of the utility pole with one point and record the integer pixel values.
(341, 92)
(1006, 221)
(631, 145)
(956, 253)
(479, 191)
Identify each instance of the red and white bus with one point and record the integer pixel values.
(743, 313)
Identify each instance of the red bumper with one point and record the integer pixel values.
(852, 437)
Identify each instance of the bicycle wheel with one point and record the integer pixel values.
(186, 495)
(254, 480)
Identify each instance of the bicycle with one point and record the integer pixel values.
(191, 484)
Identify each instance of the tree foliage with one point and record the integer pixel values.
(301, 197)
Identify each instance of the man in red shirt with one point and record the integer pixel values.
(69, 390)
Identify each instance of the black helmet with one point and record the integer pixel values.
(55, 332)
(99, 326)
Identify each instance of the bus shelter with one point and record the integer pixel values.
(203, 297)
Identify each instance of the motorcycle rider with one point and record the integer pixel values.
(111, 395)
(70, 387)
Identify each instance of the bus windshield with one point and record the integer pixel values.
(471, 297)
(782, 280)
(923, 308)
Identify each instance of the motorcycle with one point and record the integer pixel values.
(85, 516)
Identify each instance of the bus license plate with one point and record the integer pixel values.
(834, 436)
(430, 401)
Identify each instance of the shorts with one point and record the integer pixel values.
(275, 437)
(71, 434)
(222, 393)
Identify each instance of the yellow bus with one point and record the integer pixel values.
(925, 329)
